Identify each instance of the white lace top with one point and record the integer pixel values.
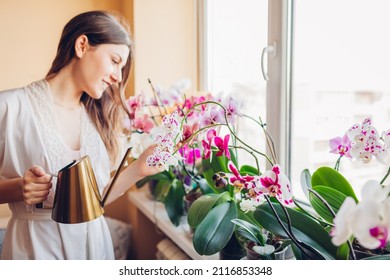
(28, 137)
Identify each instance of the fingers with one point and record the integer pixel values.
(37, 170)
(36, 185)
(38, 175)
(35, 196)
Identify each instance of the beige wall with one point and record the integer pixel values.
(164, 33)
(166, 42)
(29, 32)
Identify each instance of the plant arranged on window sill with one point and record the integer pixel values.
(181, 181)
(334, 228)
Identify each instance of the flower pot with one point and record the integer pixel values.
(284, 254)
(232, 250)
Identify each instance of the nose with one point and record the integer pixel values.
(117, 76)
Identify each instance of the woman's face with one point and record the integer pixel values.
(100, 67)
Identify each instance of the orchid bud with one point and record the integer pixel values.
(220, 180)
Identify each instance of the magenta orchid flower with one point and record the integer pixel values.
(341, 146)
(222, 145)
(211, 133)
(189, 154)
(238, 180)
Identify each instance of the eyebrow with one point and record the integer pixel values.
(120, 58)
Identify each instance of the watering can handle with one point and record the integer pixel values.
(118, 171)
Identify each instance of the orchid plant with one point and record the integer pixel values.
(365, 222)
(246, 201)
(237, 190)
(155, 119)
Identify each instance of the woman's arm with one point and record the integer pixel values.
(32, 188)
(11, 190)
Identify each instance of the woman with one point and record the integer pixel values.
(75, 110)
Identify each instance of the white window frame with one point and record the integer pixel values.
(278, 69)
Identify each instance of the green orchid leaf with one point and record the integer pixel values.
(249, 231)
(216, 229)
(165, 176)
(174, 202)
(202, 206)
(333, 197)
(161, 189)
(204, 186)
(233, 158)
(343, 252)
(304, 228)
(378, 257)
(306, 182)
(249, 170)
(326, 176)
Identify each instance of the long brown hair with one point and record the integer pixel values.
(100, 27)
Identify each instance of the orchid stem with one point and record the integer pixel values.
(337, 165)
(252, 154)
(226, 124)
(157, 97)
(387, 175)
(290, 235)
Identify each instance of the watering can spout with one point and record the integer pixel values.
(77, 198)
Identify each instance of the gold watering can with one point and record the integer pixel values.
(77, 198)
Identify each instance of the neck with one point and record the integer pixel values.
(64, 90)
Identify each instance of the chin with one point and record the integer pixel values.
(96, 93)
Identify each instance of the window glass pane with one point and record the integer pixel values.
(341, 66)
(237, 33)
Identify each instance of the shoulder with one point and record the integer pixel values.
(11, 99)
(10, 94)
(15, 97)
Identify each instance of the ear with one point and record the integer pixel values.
(81, 46)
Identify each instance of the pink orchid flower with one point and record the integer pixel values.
(276, 184)
(232, 108)
(190, 154)
(238, 180)
(134, 103)
(222, 145)
(211, 133)
(212, 116)
(143, 123)
(189, 130)
(341, 146)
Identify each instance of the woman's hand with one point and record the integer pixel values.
(143, 168)
(36, 185)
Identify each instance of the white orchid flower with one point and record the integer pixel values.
(368, 221)
(139, 143)
(342, 231)
(249, 205)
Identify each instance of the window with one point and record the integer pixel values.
(341, 67)
(235, 34)
(330, 72)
